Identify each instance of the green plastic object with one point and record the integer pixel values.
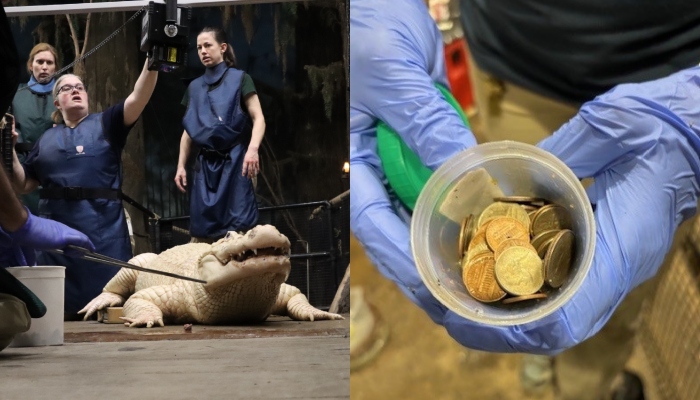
(405, 172)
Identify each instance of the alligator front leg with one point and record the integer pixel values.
(144, 307)
(118, 288)
(299, 309)
(149, 306)
(104, 300)
(290, 301)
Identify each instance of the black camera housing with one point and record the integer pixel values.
(166, 53)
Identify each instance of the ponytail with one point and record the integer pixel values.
(57, 117)
(229, 56)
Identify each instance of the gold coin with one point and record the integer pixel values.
(542, 250)
(500, 209)
(519, 271)
(517, 299)
(521, 200)
(479, 279)
(510, 243)
(543, 237)
(469, 231)
(477, 246)
(460, 242)
(501, 229)
(557, 261)
(550, 217)
(529, 208)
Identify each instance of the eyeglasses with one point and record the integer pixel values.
(69, 88)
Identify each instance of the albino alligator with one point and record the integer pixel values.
(245, 277)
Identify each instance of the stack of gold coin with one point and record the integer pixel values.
(518, 249)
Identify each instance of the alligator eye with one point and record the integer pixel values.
(228, 235)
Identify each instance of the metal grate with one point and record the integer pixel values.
(670, 334)
(319, 234)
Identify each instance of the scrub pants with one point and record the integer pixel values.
(584, 372)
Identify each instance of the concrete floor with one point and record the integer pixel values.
(280, 359)
(421, 361)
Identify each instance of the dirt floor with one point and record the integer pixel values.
(421, 361)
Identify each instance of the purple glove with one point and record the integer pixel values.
(39, 234)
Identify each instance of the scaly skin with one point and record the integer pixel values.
(245, 284)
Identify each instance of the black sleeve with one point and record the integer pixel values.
(113, 125)
(10, 66)
(28, 163)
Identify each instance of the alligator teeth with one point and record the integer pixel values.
(255, 251)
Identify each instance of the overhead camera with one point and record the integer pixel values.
(164, 32)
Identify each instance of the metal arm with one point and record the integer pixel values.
(114, 6)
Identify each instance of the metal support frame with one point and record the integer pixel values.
(115, 6)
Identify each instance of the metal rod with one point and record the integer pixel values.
(309, 255)
(296, 205)
(114, 6)
(110, 261)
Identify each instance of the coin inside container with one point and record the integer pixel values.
(557, 261)
(518, 299)
(519, 271)
(461, 247)
(517, 169)
(479, 279)
(501, 229)
(550, 217)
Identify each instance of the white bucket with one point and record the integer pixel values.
(47, 283)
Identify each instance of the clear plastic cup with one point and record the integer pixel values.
(519, 170)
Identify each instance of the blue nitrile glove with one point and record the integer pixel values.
(38, 233)
(396, 56)
(640, 143)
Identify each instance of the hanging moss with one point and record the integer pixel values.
(329, 80)
(285, 18)
(248, 21)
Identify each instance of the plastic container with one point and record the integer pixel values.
(518, 169)
(47, 283)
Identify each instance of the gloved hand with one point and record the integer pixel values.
(395, 59)
(41, 234)
(640, 144)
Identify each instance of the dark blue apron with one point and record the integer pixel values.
(83, 157)
(221, 199)
(32, 110)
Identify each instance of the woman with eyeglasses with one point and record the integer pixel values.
(32, 106)
(225, 121)
(78, 164)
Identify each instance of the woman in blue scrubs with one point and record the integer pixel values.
(220, 107)
(78, 164)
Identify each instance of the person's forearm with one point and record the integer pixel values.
(258, 133)
(185, 146)
(145, 84)
(255, 111)
(12, 214)
(18, 178)
(137, 100)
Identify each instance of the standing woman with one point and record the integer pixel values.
(78, 163)
(32, 107)
(221, 104)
